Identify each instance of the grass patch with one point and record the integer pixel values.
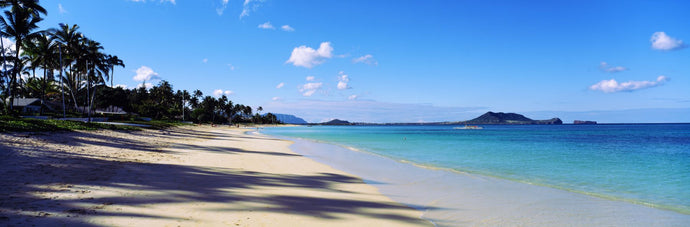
(14, 124)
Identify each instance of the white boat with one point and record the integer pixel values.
(468, 127)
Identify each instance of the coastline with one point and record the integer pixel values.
(458, 198)
(189, 176)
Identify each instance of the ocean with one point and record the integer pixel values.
(644, 164)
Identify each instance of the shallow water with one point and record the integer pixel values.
(450, 198)
(638, 164)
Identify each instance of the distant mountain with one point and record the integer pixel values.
(336, 122)
(290, 119)
(509, 119)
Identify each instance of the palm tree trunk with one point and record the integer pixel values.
(18, 41)
(11, 104)
(88, 90)
(62, 85)
(72, 89)
(74, 98)
(43, 88)
(93, 97)
(4, 61)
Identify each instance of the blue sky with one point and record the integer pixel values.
(406, 61)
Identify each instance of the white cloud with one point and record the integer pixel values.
(308, 89)
(287, 28)
(366, 59)
(611, 69)
(250, 6)
(9, 46)
(661, 41)
(266, 25)
(310, 78)
(221, 9)
(610, 86)
(280, 85)
(343, 80)
(232, 68)
(275, 98)
(123, 86)
(352, 97)
(205, 60)
(144, 73)
(342, 85)
(219, 92)
(311, 86)
(308, 93)
(61, 9)
(308, 57)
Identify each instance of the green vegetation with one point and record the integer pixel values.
(13, 124)
(162, 103)
(75, 72)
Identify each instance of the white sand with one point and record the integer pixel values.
(190, 176)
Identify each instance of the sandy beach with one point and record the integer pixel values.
(187, 176)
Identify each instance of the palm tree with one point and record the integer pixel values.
(73, 85)
(247, 110)
(185, 96)
(114, 61)
(35, 8)
(84, 59)
(8, 63)
(196, 96)
(89, 63)
(69, 39)
(41, 51)
(35, 87)
(97, 68)
(19, 24)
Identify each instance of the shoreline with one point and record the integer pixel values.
(189, 176)
(533, 206)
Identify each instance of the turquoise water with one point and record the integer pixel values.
(646, 164)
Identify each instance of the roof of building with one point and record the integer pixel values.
(27, 102)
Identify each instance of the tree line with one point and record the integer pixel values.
(162, 102)
(76, 71)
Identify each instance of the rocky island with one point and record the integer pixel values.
(336, 122)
